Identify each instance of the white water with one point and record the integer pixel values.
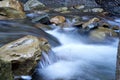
(79, 61)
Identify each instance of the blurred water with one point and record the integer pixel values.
(79, 61)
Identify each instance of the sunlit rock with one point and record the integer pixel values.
(12, 9)
(61, 9)
(97, 10)
(102, 34)
(79, 7)
(91, 23)
(20, 57)
(58, 20)
(33, 4)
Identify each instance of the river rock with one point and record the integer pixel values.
(33, 4)
(91, 23)
(97, 10)
(42, 18)
(21, 56)
(42, 26)
(101, 34)
(58, 20)
(61, 9)
(12, 9)
(79, 7)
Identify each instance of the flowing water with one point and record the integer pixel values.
(78, 60)
(75, 59)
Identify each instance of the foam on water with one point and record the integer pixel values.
(80, 61)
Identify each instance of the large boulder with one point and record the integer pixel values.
(12, 9)
(20, 57)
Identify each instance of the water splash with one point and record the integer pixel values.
(47, 59)
(79, 61)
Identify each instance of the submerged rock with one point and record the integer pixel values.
(12, 9)
(20, 57)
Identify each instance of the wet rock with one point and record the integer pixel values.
(42, 18)
(102, 34)
(116, 28)
(2, 17)
(10, 13)
(111, 6)
(64, 25)
(87, 10)
(90, 24)
(33, 5)
(78, 24)
(20, 57)
(42, 26)
(58, 20)
(79, 7)
(9, 8)
(105, 25)
(61, 9)
(97, 10)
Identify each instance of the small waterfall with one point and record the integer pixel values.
(75, 60)
(47, 59)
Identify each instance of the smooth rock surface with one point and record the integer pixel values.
(58, 20)
(21, 56)
(91, 23)
(12, 9)
(101, 34)
(33, 4)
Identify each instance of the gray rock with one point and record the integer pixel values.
(33, 4)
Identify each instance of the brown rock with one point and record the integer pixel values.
(42, 26)
(58, 20)
(91, 21)
(23, 55)
(102, 33)
(116, 28)
(10, 8)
